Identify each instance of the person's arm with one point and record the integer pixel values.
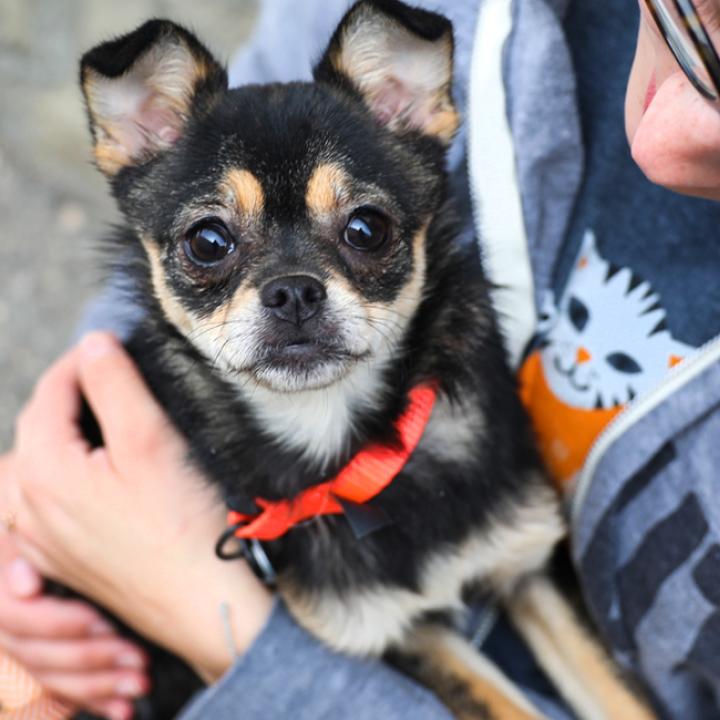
(141, 498)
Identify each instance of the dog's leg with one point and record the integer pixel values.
(576, 663)
(466, 681)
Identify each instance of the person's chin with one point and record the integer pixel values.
(666, 164)
(676, 142)
(655, 159)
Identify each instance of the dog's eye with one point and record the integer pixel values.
(366, 230)
(207, 243)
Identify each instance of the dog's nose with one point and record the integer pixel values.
(295, 298)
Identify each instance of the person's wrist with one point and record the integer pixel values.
(207, 636)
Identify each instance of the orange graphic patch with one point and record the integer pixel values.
(565, 434)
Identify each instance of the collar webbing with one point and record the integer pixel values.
(369, 472)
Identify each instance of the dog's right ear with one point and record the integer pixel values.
(399, 60)
(141, 88)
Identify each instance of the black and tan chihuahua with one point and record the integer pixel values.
(293, 246)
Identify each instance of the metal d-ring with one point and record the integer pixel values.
(260, 562)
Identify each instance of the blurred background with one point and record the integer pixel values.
(54, 204)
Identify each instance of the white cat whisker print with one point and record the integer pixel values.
(601, 345)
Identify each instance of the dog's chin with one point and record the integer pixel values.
(298, 368)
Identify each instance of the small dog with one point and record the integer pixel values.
(309, 316)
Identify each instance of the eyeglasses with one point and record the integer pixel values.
(688, 40)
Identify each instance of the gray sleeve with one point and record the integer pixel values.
(289, 674)
(114, 309)
(288, 40)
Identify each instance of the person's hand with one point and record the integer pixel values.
(65, 644)
(132, 524)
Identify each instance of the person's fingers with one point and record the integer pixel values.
(24, 547)
(18, 575)
(22, 580)
(50, 618)
(9, 504)
(69, 656)
(85, 688)
(114, 709)
(129, 417)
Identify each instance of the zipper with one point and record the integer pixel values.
(705, 356)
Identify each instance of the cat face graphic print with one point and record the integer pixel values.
(601, 345)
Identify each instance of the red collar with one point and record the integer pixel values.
(363, 478)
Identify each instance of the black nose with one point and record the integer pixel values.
(295, 298)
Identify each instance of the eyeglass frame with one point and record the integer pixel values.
(701, 42)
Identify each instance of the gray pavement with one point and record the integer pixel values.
(53, 203)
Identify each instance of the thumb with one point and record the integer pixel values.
(112, 384)
(23, 580)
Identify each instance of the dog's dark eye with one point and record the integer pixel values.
(366, 230)
(208, 243)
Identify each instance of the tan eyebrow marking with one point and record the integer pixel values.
(327, 187)
(245, 190)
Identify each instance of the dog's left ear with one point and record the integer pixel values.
(142, 88)
(399, 59)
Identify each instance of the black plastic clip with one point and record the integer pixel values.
(225, 538)
(251, 550)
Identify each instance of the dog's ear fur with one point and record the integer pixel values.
(141, 88)
(400, 61)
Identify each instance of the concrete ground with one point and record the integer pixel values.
(53, 203)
